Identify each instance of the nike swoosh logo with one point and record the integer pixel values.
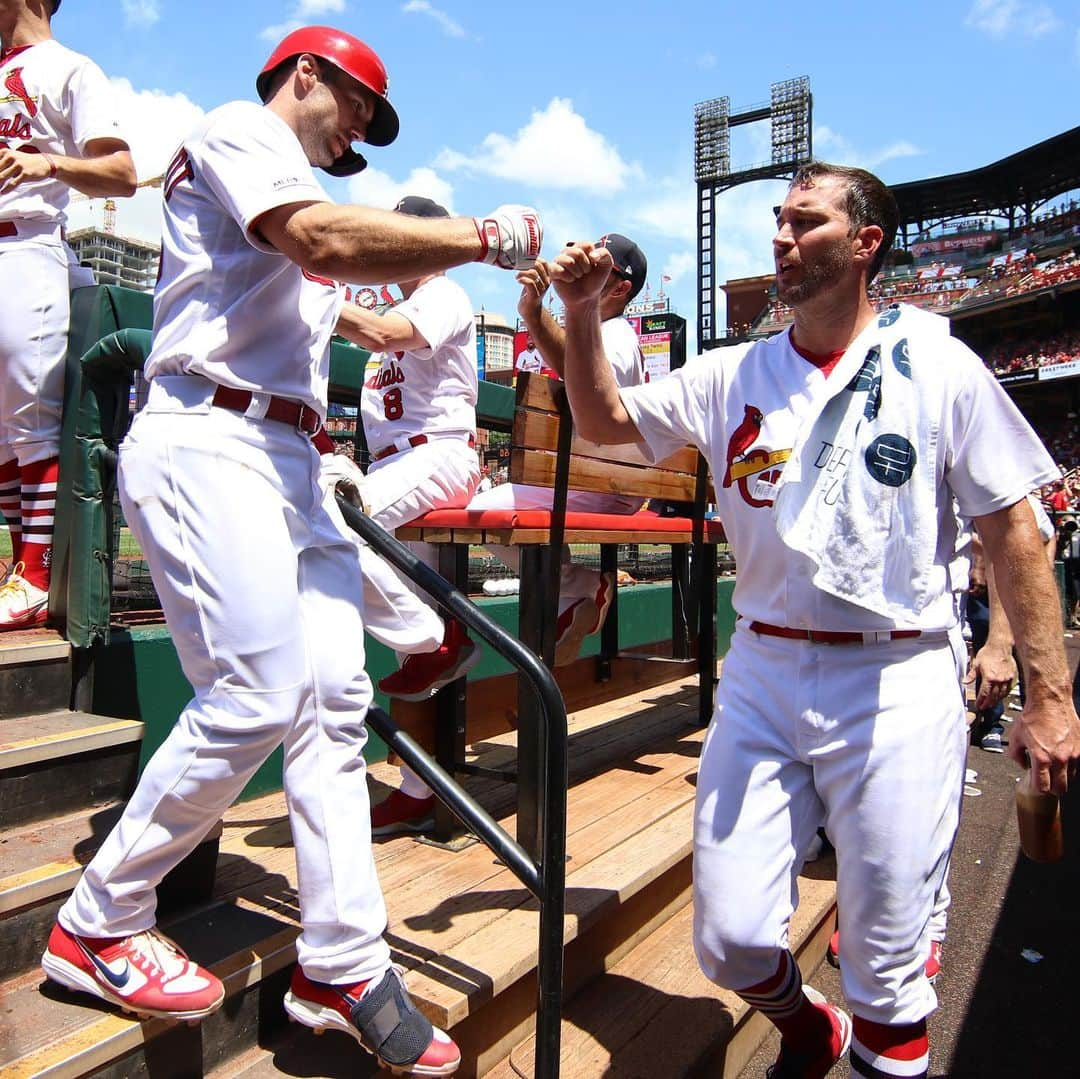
(27, 612)
(118, 980)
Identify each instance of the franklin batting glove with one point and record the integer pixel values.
(510, 236)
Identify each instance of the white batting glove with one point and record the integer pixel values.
(337, 471)
(511, 237)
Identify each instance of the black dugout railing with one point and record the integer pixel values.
(545, 875)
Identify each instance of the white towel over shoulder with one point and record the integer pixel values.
(858, 495)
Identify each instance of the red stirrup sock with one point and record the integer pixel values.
(11, 505)
(884, 1052)
(803, 1026)
(38, 514)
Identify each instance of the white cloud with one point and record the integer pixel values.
(154, 123)
(555, 149)
(672, 213)
(449, 26)
(832, 146)
(303, 12)
(678, 266)
(707, 61)
(141, 12)
(374, 188)
(1005, 18)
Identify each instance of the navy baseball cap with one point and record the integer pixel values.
(418, 206)
(630, 262)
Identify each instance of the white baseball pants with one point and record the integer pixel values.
(869, 742)
(440, 474)
(259, 585)
(33, 341)
(575, 581)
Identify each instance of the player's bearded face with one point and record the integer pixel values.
(338, 112)
(812, 248)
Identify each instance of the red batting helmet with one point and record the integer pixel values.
(357, 60)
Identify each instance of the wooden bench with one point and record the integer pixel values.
(545, 452)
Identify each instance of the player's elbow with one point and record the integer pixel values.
(317, 245)
(125, 181)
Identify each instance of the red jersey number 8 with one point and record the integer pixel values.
(393, 409)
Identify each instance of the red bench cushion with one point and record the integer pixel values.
(645, 520)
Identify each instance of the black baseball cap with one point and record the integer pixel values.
(418, 206)
(630, 262)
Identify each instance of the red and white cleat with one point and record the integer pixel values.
(381, 1017)
(815, 1065)
(22, 604)
(582, 619)
(146, 973)
(400, 813)
(933, 962)
(423, 674)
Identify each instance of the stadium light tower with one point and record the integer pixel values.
(789, 112)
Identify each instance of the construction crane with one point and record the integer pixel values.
(110, 204)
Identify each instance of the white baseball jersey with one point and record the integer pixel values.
(744, 408)
(52, 100)
(529, 359)
(430, 391)
(241, 161)
(623, 351)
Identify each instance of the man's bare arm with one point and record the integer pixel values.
(378, 333)
(106, 169)
(578, 274)
(1047, 729)
(548, 336)
(368, 246)
(993, 665)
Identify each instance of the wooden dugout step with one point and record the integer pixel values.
(47, 1031)
(654, 1012)
(493, 703)
(35, 672)
(57, 762)
(40, 864)
(459, 922)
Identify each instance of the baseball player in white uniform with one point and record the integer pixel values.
(585, 595)
(839, 703)
(419, 414)
(58, 131)
(529, 358)
(258, 579)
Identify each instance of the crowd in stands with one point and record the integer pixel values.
(931, 288)
(1021, 352)
(1065, 267)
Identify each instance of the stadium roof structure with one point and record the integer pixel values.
(1022, 181)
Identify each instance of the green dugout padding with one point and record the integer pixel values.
(109, 341)
(138, 674)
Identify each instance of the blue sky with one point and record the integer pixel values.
(585, 110)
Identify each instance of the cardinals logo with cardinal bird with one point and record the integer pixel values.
(13, 83)
(746, 462)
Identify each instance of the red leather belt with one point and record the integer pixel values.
(828, 636)
(414, 440)
(296, 414)
(7, 228)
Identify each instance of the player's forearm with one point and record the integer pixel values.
(367, 246)
(377, 333)
(599, 414)
(1029, 598)
(999, 635)
(549, 338)
(110, 175)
